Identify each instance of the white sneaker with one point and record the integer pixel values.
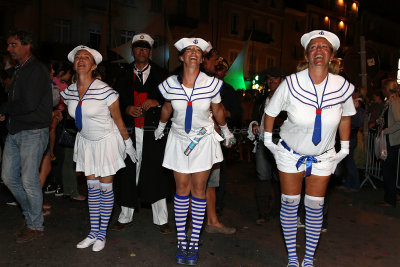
(98, 245)
(86, 242)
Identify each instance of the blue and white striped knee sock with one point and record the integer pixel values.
(181, 207)
(314, 214)
(198, 212)
(106, 206)
(288, 215)
(94, 207)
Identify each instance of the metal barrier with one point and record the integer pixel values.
(373, 165)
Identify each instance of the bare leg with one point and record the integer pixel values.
(45, 168)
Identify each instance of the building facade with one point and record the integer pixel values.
(272, 27)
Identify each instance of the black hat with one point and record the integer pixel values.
(274, 72)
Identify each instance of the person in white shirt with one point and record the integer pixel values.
(193, 145)
(102, 142)
(317, 104)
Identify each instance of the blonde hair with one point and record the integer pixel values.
(390, 84)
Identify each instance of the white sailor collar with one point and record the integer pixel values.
(204, 87)
(336, 89)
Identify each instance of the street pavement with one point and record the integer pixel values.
(359, 233)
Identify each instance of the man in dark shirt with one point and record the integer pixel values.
(140, 102)
(216, 66)
(28, 111)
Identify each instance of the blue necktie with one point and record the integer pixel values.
(316, 137)
(188, 117)
(78, 115)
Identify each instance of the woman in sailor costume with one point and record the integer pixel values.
(102, 141)
(194, 98)
(318, 104)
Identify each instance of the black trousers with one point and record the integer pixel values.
(389, 170)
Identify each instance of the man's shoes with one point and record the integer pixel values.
(86, 242)
(383, 203)
(121, 226)
(165, 229)
(50, 189)
(78, 198)
(28, 234)
(12, 203)
(260, 221)
(211, 229)
(59, 192)
(98, 245)
(181, 254)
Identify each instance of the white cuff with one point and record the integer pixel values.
(128, 142)
(344, 144)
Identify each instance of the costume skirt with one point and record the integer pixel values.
(102, 157)
(204, 155)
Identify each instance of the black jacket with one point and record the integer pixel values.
(153, 180)
(29, 104)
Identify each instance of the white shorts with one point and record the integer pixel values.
(286, 162)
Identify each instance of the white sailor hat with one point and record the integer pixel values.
(208, 49)
(143, 37)
(96, 55)
(331, 37)
(185, 42)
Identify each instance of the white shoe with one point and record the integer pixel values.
(86, 242)
(98, 245)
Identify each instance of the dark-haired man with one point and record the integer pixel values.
(216, 66)
(141, 108)
(28, 111)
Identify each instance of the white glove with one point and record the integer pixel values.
(269, 144)
(250, 134)
(229, 137)
(159, 132)
(130, 150)
(344, 151)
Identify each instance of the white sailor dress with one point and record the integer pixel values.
(99, 148)
(304, 102)
(207, 152)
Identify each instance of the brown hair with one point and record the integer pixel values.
(390, 84)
